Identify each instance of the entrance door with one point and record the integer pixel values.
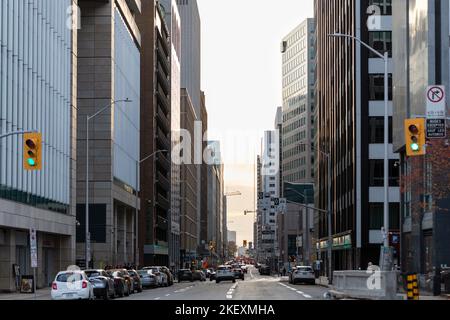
(49, 266)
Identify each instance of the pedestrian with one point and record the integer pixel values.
(284, 271)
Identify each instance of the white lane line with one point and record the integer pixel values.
(307, 296)
(168, 295)
(229, 297)
(300, 292)
(158, 298)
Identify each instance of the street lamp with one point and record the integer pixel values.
(330, 236)
(385, 58)
(87, 235)
(138, 184)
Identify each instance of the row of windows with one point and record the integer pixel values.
(296, 176)
(298, 137)
(295, 87)
(295, 75)
(376, 216)
(294, 63)
(292, 51)
(294, 126)
(376, 87)
(295, 164)
(381, 41)
(376, 173)
(294, 151)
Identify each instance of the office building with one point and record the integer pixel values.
(35, 95)
(109, 44)
(421, 59)
(350, 124)
(203, 249)
(155, 220)
(298, 54)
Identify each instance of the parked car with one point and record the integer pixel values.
(198, 275)
(225, 273)
(148, 279)
(159, 272)
(264, 270)
(137, 284)
(120, 284)
(185, 275)
(72, 285)
(302, 274)
(103, 284)
(238, 273)
(123, 273)
(170, 277)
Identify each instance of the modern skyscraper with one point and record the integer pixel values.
(109, 61)
(298, 51)
(350, 124)
(421, 59)
(156, 107)
(38, 76)
(173, 20)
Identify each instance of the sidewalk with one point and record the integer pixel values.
(41, 294)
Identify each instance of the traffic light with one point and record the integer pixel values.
(415, 137)
(32, 151)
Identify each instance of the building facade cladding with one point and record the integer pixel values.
(155, 180)
(421, 59)
(37, 95)
(173, 20)
(298, 54)
(109, 70)
(350, 105)
(189, 182)
(203, 229)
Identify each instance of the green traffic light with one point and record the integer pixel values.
(31, 162)
(415, 147)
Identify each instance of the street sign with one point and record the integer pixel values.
(436, 107)
(33, 248)
(436, 128)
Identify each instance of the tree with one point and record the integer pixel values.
(232, 249)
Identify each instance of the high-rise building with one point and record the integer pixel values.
(173, 20)
(421, 59)
(38, 77)
(203, 249)
(156, 107)
(109, 62)
(298, 54)
(189, 219)
(350, 124)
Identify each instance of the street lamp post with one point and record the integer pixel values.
(87, 234)
(385, 58)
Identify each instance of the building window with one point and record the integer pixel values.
(381, 41)
(384, 5)
(376, 216)
(376, 87)
(376, 130)
(376, 173)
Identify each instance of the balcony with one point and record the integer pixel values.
(163, 181)
(162, 121)
(163, 59)
(164, 45)
(163, 80)
(162, 202)
(163, 100)
(163, 161)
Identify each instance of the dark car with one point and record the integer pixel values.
(123, 273)
(264, 270)
(137, 283)
(238, 273)
(199, 275)
(185, 275)
(103, 284)
(120, 284)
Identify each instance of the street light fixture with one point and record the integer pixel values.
(385, 58)
(87, 234)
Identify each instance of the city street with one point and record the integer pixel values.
(254, 287)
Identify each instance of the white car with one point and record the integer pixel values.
(72, 285)
(225, 273)
(302, 274)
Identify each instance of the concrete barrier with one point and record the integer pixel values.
(377, 285)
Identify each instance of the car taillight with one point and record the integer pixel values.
(54, 286)
(84, 285)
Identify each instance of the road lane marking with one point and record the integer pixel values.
(168, 295)
(307, 296)
(300, 292)
(157, 298)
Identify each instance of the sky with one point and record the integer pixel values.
(241, 77)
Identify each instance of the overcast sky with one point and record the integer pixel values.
(241, 77)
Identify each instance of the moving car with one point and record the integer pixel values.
(302, 274)
(238, 273)
(103, 284)
(148, 279)
(185, 275)
(72, 285)
(198, 275)
(137, 284)
(128, 281)
(264, 270)
(225, 273)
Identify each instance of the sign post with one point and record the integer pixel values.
(33, 252)
(436, 112)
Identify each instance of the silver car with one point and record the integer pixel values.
(158, 272)
(302, 274)
(148, 279)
